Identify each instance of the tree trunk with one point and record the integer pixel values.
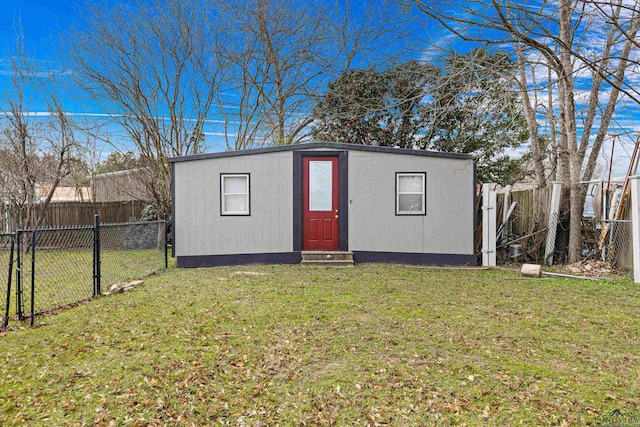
(532, 122)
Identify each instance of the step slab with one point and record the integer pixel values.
(327, 256)
(327, 263)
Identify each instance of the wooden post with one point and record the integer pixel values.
(635, 220)
(554, 213)
(488, 225)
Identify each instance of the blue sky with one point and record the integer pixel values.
(42, 22)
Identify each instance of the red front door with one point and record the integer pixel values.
(320, 203)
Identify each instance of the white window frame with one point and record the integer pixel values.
(423, 193)
(223, 194)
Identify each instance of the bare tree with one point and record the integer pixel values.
(572, 39)
(530, 114)
(148, 62)
(37, 149)
(279, 59)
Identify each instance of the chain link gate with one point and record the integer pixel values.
(55, 269)
(59, 267)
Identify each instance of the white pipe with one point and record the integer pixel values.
(570, 276)
(505, 212)
(635, 231)
(554, 213)
(488, 225)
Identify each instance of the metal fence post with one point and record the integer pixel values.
(33, 276)
(5, 323)
(166, 243)
(488, 225)
(635, 230)
(19, 314)
(96, 255)
(93, 258)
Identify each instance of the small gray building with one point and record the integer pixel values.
(268, 205)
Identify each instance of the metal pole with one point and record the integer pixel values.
(94, 273)
(166, 243)
(96, 246)
(33, 276)
(19, 275)
(5, 323)
(605, 200)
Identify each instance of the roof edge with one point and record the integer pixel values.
(321, 144)
(119, 173)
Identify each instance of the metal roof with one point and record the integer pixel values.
(315, 145)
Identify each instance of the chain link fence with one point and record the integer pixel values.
(60, 267)
(7, 254)
(131, 250)
(609, 241)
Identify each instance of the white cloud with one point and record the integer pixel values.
(438, 47)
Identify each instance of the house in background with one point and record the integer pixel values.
(63, 193)
(272, 205)
(121, 186)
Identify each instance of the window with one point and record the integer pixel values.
(234, 194)
(320, 195)
(410, 193)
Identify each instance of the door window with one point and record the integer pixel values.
(320, 184)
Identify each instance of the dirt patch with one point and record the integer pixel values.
(248, 273)
(589, 268)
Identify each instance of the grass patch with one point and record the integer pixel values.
(66, 277)
(372, 345)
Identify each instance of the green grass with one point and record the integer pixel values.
(66, 277)
(372, 345)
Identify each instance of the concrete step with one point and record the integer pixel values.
(327, 258)
(327, 255)
(334, 263)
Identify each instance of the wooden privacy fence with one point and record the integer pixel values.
(524, 237)
(531, 212)
(527, 224)
(68, 214)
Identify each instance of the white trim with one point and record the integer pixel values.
(223, 194)
(422, 193)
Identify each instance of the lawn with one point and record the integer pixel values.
(66, 277)
(372, 345)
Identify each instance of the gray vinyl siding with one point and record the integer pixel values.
(447, 227)
(199, 228)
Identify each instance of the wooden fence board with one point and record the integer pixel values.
(68, 214)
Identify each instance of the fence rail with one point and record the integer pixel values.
(57, 267)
